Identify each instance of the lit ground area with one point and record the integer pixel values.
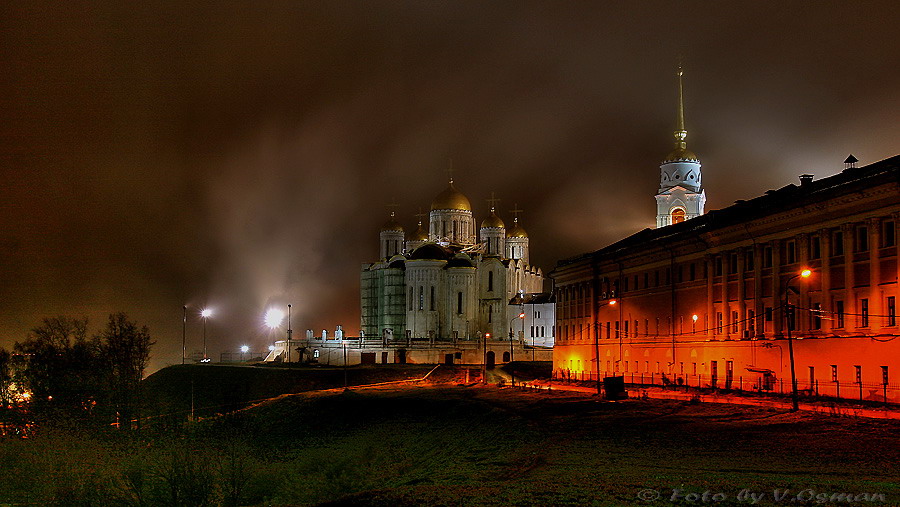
(452, 445)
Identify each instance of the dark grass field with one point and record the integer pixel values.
(442, 444)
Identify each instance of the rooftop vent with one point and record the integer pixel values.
(805, 179)
(850, 163)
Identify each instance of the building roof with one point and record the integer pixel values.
(517, 231)
(535, 298)
(451, 198)
(492, 222)
(772, 202)
(431, 251)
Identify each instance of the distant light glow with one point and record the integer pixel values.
(694, 316)
(271, 348)
(206, 313)
(612, 302)
(244, 349)
(805, 273)
(274, 317)
(522, 315)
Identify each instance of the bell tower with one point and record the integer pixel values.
(681, 195)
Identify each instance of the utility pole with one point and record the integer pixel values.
(183, 331)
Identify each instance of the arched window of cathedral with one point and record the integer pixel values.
(459, 302)
(431, 300)
(677, 215)
(490, 281)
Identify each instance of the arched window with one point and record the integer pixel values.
(490, 281)
(677, 215)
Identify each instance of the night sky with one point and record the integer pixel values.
(241, 155)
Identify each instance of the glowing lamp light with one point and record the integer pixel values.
(244, 349)
(271, 348)
(206, 313)
(805, 273)
(274, 317)
(487, 336)
(522, 315)
(612, 301)
(694, 316)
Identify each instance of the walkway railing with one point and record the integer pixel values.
(758, 384)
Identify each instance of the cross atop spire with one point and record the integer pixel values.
(420, 216)
(450, 172)
(493, 201)
(393, 207)
(516, 211)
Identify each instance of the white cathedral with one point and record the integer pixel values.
(453, 282)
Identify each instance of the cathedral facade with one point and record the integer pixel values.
(453, 281)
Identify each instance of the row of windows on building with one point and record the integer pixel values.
(432, 301)
(698, 270)
(612, 329)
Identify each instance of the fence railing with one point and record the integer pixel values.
(759, 384)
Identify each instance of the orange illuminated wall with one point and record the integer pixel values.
(719, 289)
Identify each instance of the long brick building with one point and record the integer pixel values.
(705, 299)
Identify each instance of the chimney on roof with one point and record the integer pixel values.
(850, 163)
(805, 179)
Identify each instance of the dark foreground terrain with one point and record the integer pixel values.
(452, 445)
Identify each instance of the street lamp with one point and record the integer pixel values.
(206, 313)
(273, 319)
(612, 302)
(519, 316)
(244, 350)
(789, 318)
(289, 334)
(183, 331)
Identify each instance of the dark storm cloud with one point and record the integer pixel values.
(240, 156)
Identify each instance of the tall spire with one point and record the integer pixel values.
(680, 133)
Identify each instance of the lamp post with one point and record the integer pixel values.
(289, 332)
(183, 331)
(484, 338)
(520, 316)
(244, 350)
(788, 317)
(612, 302)
(206, 313)
(273, 319)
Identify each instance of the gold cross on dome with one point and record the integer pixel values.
(516, 211)
(393, 207)
(420, 216)
(493, 201)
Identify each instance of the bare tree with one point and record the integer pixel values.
(126, 351)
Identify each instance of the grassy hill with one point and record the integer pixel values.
(225, 388)
(440, 444)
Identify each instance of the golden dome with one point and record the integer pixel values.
(516, 232)
(419, 234)
(392, 225)
(451, 198)
(681, 154)
(492, 221)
